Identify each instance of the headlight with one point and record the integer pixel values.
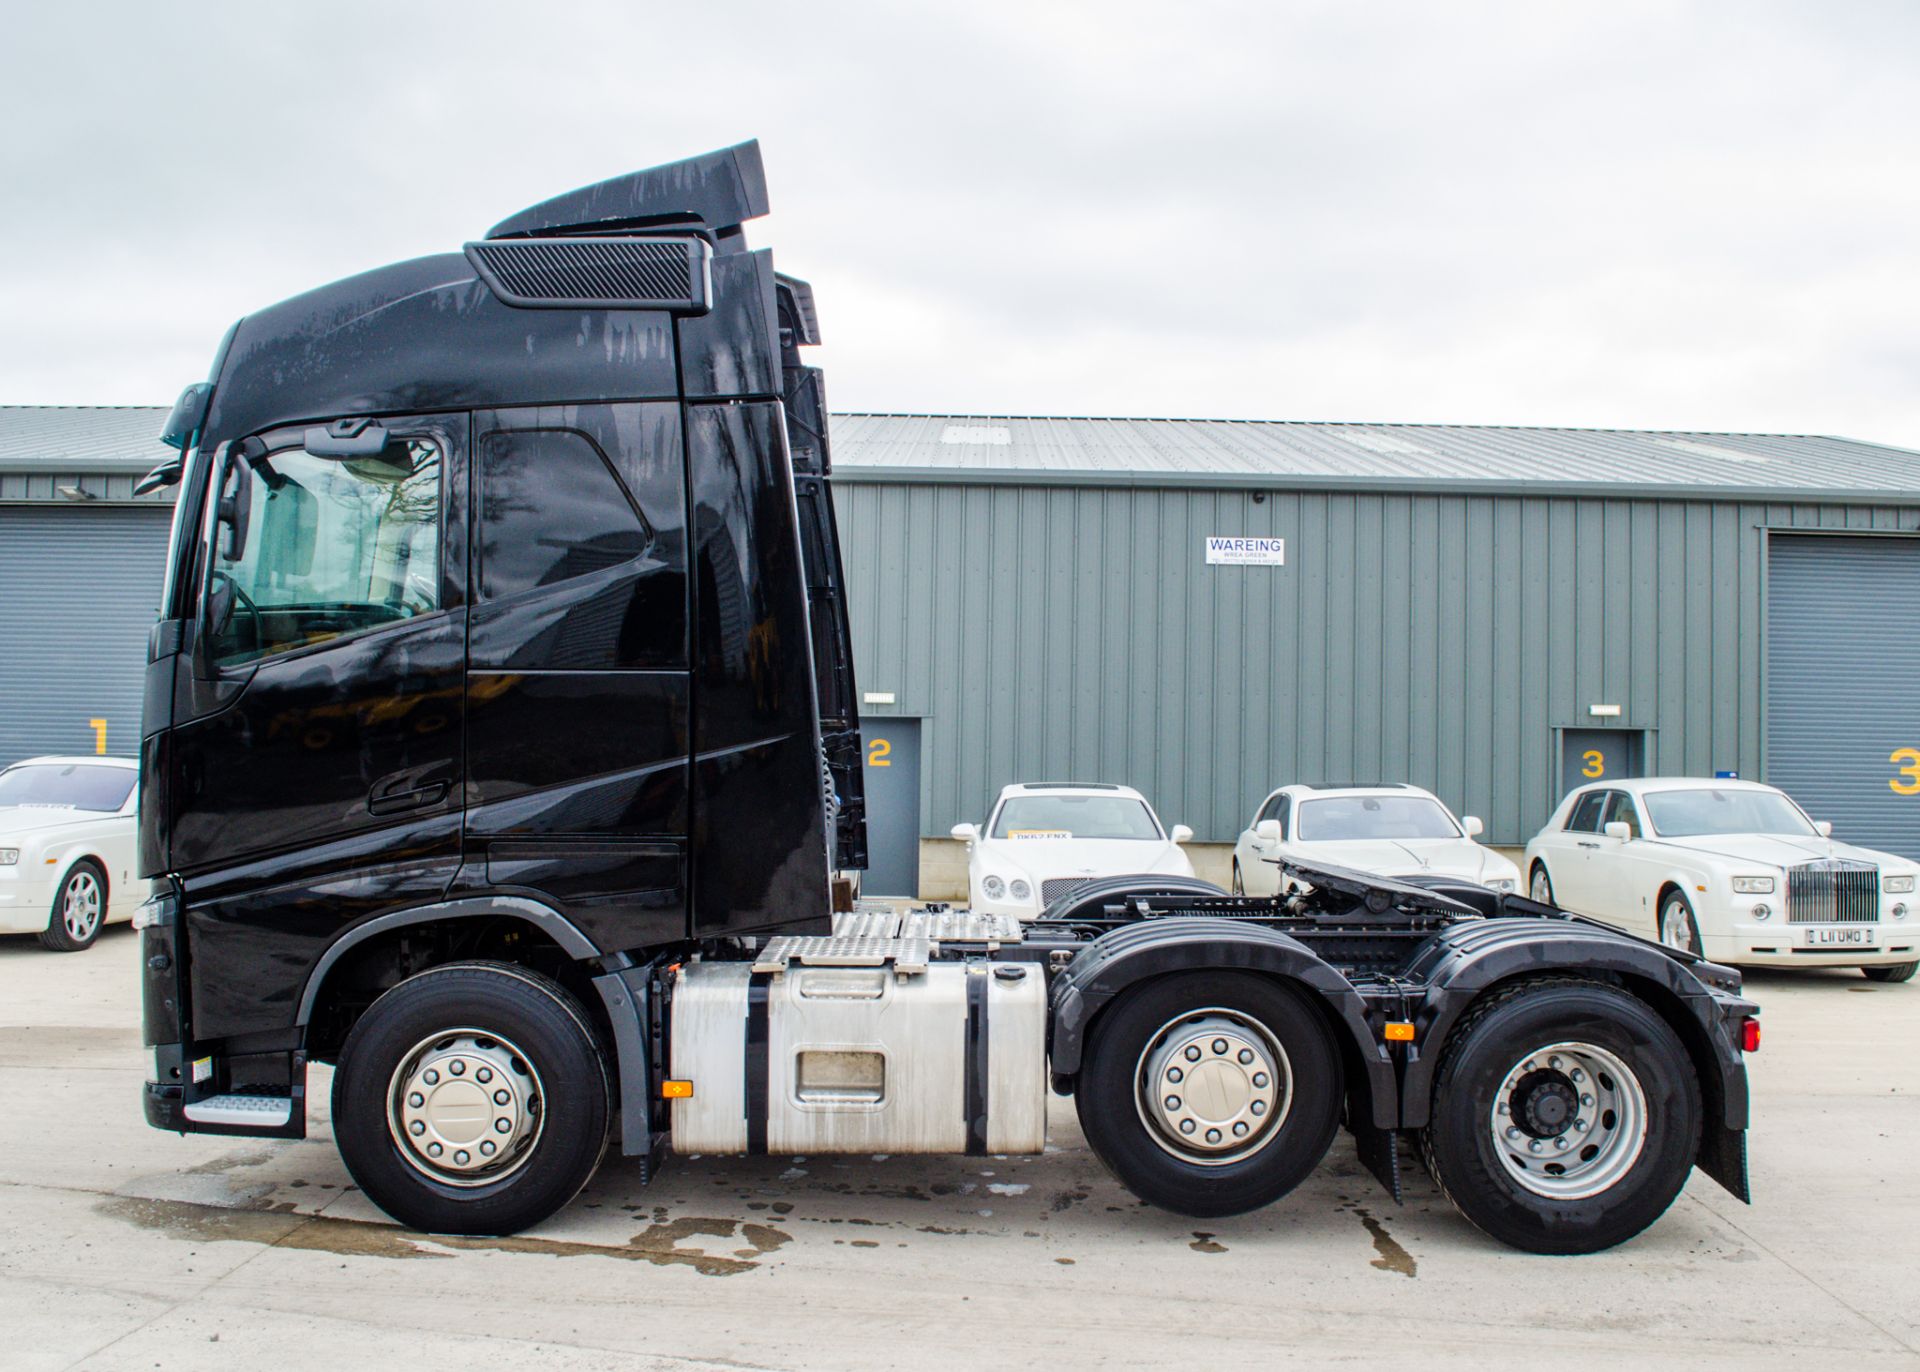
(1893, 886)
(1753, 886)
(1019, 890)
(9, 856)
(993, 888)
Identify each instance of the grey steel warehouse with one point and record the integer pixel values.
(1492, 613)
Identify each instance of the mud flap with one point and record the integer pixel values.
(1379, 1151)
(1723, 1156)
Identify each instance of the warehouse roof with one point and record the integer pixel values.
(1189, 452)
(1261, 453)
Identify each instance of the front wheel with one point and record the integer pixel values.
(1210, 1093)
(1678, 928)
(1891, 971)
(1541, 887)
(1239, 886)
(79, 909)
(1566, 1116)
(471, 1099)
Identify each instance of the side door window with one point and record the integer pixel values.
(1621, 810)
(1585, 817)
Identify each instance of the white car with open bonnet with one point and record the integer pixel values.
(67, 848)
(1044, 838)
(1390, 830)
(1732, 870)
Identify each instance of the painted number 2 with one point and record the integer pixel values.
(877, 752)
(1596, 763)
(1907, 763)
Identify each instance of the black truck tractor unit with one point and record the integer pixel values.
(500, 744)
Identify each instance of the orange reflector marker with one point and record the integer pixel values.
(1398, 1031)
(1750, 1035)
(676, 1090)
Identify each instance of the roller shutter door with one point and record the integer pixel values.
(1843, 684)
(79, 589)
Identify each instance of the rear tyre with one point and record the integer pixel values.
(1210, 1093)
(1566, 1116)
(1891, 971)
(1239, 886)
(1541, 885)
(79, 909)
(1678, 928)
(471, 1099)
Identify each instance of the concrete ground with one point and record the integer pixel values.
(121, 1247)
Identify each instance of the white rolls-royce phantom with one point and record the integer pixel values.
(1732, 870)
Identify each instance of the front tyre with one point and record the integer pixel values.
(79, 909)
(471, 1099)
(1210, 1093)
(1541, 886)
(1891, 971)
(1678, 928)
(1239, 886)
(1566, 1116)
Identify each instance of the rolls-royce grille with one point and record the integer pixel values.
(1835, 891)
(1050, 891)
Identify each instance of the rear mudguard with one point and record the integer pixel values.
(1152, 948)
(1698, 999)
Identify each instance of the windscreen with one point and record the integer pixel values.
(1689, 814)
(1075, 817)
(1372, 817)
(74, 784)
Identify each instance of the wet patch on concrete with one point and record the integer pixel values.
(1204, 1243)
(660, 1243)
(226, 1162)
(1391, 1257)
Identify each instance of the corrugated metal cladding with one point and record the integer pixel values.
(1843, 670)
(80, 586)
(1074, 632)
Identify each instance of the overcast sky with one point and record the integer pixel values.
(1650, 215)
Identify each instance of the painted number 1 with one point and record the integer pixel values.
(99, 735)
(1596, 764)
(877, 753)
(1907, 763)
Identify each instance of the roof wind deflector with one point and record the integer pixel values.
(718, 190)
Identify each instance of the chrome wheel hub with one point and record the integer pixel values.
(465, 1107)
(1569, 1121)
(1213, 1086)
(1674, 931)
(80, 906)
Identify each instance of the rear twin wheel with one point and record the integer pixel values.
(1566, 1116)
(1210, 1094)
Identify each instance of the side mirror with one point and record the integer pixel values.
(1180, 833)
(970, 833)
(1267, 831)
(1473, 826)
(1823, 827)
(1620, 829)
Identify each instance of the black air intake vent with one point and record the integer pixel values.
(598, 273)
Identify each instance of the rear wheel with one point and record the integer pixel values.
(79, 909)
(1891, 971)
(1566, 1116)
(1239, 887)
(1210, 1094)
(471, 1099)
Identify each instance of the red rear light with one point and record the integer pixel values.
(1749, 1035)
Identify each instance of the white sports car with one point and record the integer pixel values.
(1043, 838)
(1732, 870)
(66, 848)
(1389, 830)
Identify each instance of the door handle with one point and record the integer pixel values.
(1584, 844)
(396, 802)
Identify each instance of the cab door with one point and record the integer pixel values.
(316, 763)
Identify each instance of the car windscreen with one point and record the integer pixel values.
(1372, 817)
(1075, 817)
(67, 783)
(1690, 814)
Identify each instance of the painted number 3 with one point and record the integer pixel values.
(1907, 763)
(877, 752)
(1596, 764)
